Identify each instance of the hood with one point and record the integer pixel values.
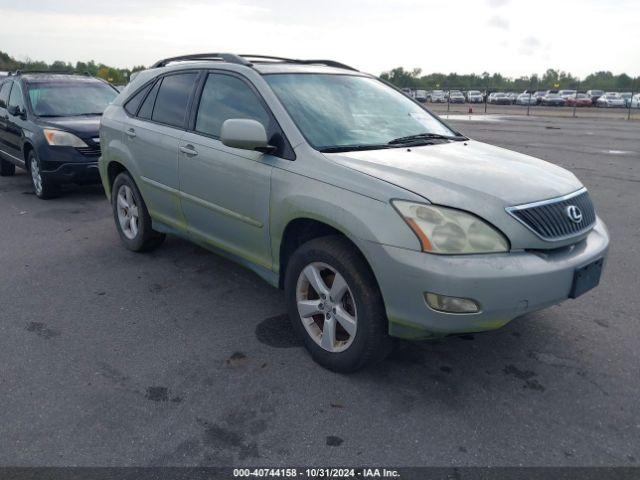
(470, 175)
(82, 126)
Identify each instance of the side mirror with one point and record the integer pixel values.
(15, 111)
(245, 134)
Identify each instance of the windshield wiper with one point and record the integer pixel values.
(426, 136)
(352, 148)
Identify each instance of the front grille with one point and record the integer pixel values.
(550, 220)
(90, 151)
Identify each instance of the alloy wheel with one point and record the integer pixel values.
(128, 213)
(326, 307)
(35, 176)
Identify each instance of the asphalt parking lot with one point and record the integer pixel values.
(180, 357)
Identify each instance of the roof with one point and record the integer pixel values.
(58, 77)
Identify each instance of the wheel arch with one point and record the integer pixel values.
(301, 230)
(114, 168)
(27, 148)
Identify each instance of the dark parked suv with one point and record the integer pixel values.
(49, 126)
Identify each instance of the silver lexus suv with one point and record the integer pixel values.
(376, 218)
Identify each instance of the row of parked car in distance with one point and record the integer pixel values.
(553, 98)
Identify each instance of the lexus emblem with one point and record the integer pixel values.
(574, 214)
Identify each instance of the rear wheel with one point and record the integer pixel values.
(43, 188)
(7, 169)
(335, 305)
(132, 218)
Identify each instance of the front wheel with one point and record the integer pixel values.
(132, 218)
(335, 305)
(42, 187)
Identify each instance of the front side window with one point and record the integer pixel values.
(351, 111)
(173, 99)
(225, 97)
(16, 99)
(4, 94)
(68, 98)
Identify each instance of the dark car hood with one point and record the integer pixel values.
(84, 126)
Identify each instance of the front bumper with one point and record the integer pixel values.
(505, 285)
(70, 165)
(84, 173)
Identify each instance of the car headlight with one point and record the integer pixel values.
(445, 230)
(58, 138)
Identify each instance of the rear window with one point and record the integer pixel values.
(134, 103)
(173, 98)
(147, 107)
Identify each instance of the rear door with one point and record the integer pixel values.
(225, 191)
(153, 137)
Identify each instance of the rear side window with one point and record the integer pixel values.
(134, 103)
(225, 97)
(173, 99)
(147, 107)
(4, 94)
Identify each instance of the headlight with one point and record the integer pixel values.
(449, 231)
(58, 138)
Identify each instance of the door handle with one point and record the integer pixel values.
(131, 133)
(189, 150)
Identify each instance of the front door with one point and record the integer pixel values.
(16, 125)
(225, 191)
(5, 89)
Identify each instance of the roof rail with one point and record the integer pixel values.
(328, 63)
(224, 57)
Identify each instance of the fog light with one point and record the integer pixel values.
(442, 303)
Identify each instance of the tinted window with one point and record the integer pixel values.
(16, 99)
(4, 94)
(133, 104)
(173, 98)
(147, 107)
(225, 97)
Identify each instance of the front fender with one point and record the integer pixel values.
(359, 217)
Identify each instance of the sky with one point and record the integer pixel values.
(512, 37)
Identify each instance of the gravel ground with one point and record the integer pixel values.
(180, 357)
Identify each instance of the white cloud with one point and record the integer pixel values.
(497, 3)
(498, 22)
(369, 34)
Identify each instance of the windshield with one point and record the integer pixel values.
(348, 110)
(474, 92)
(69, 98)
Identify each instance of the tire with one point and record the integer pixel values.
(131, 216)
(43, 188)
(7, 169)
(359, 306)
